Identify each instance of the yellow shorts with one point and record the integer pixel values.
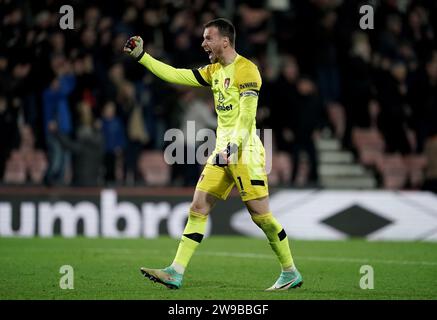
(250, 179)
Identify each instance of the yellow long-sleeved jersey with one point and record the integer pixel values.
(235, 88)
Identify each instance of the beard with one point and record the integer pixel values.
(214, 56)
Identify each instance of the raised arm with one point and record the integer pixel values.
(134, 47)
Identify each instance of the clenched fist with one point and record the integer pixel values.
(134, 47)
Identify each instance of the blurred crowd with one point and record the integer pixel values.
(74, 109)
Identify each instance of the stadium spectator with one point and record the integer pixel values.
(326, 64)
(57, 113)
(282, 101)
(137, 135)
(86, 149)
(422, 97)
(86, 88)
(392, 93)
(419, 32)
(305, 121)
(390, 39)
(357, 86)
(253, 28)
(115, 140)
(9, 129)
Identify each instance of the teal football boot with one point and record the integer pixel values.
(168, 276)
(287, 280)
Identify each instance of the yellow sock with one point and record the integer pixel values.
(192, 236)
(277, 238)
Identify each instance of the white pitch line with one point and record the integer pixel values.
(271, 256)
(312, 258)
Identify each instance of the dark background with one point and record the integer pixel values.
(75, 111)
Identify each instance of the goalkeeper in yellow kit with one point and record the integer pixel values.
(238, 158)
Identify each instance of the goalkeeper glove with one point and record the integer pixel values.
(134, 47)
(220, 161)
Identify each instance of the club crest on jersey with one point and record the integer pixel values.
(227, 82)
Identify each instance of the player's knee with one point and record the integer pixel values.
(200, 207)
(258, 206)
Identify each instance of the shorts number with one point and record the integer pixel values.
(241, 183)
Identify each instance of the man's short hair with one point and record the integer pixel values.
(225, 28)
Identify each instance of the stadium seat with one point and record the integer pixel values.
(15, 171)
(154, 170)
(38, 166)
(416, 169)
(280, 169)
(370, 145)
(393, 171)
(303, 170)
(26, 163)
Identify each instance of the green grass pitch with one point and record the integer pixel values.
(223, 268)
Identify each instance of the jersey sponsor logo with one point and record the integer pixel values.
(226, 83)
(221, 106)
(224, 108)
(249, 85)
(221, 97)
